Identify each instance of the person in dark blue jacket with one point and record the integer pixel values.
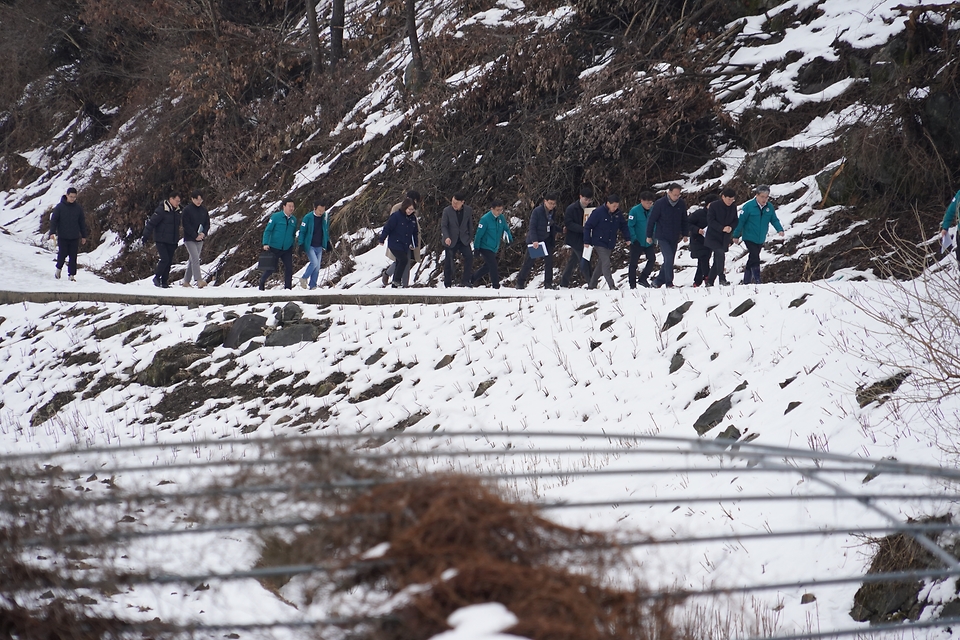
(600, 232)
(196, 227)
(68, 227)
(721, 219)
(164, 228)
(573, 219)
(668, 225)
(401, 234)
(697, 223)
(543, 231)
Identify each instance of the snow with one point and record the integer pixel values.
(480, 622)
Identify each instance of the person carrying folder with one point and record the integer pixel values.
(541, 240)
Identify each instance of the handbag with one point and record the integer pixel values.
(268, 261)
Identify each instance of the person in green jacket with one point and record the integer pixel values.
(950, 219)
(491, 229)
(278, 239)
(313, 239)
(755, 219)
(637, 226)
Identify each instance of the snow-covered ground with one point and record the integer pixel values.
(561, 364)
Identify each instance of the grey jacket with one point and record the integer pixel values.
(449, 228)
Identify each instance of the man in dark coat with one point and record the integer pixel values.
(721, 219)
(196, 227)
(600, 232)
(573, 219)
(68, 227)
(697, 223)
(164, 228)
(542, 231)
(668, 225)
(456, 231)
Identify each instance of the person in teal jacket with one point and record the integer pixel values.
(950, 219)
(313, 239)
(755, 219)
(278, 239)
(491, 229)
(637, 226)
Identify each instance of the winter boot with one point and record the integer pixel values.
(73, 278)
(201, 284)
(756, 275)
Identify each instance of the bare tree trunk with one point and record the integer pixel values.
(336, 31)
(414, 43)
(315, 55)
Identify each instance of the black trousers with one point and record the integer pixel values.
(703, 269)
(466, 254)
(286, 257)
(403, 259)
(68, 249)
(752, 271)
(719, 260)
(162, 271)
(575, 260)
(489, 267)
(528, 266)
(635, 251)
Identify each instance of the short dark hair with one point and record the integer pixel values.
(496, 202)
(71, 190)
(648, 196)
(173, 193)
(406, 204)
(729, 192)
(551, 195)
(322, 201)
(285, 201)
(710, 197)
(762, 189)
(672, 186)
(611, 198)
(413, 195)
(586, 191)
(196, 193)
(459, 196)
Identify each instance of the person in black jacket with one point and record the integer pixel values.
(164, 228)
(456, 231)
(668, 224)
(721, 220)
(600, 232)
(573, 219)
(196, 226)
(68, 227)
(543, 231)
(697, 223)
(402, 235)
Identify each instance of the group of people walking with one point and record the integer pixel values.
(662, 222)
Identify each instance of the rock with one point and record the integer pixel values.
(772, 165)
(230, 315)
(675, 316)
(783, 385)
(247, 326)
(49, 410)
(941, 115)
(677, 361)
(444, 361)
(836, 186)
(876, 470)
(791, 407)
(730, 433)
(378, 390)
(606, 324)
(796, 302)
(291, 314)
(483, 386)
(293, 334)
(807, 598)
(212, 336)
(170, 365)
(744, 306)
(818, 74)
(132, 321)
(379, 353)
(716, 412)
(880, 391)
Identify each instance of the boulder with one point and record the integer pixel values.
(247, 326)
(716, 411)
(770, 166)
(170, 365)
(292, 313)
(675, 316)
(212, 336)
(291, 335)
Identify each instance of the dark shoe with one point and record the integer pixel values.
(396, 285)
(724, 282)
(156, 281)
(696, 284)
(164, 286)
(645, 284)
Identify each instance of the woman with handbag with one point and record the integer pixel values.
(402, 235)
